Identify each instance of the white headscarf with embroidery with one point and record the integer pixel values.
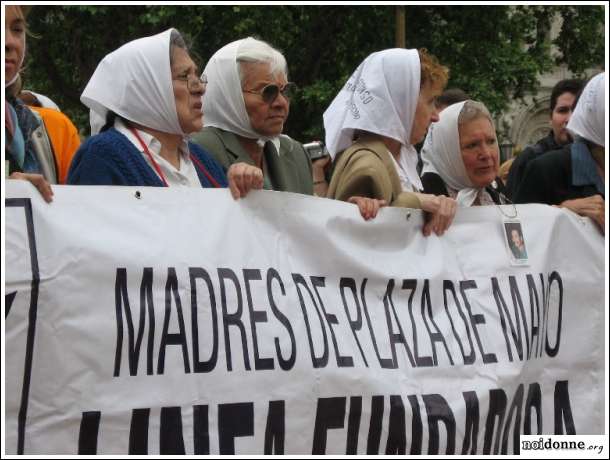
(587, 121)
(380, 97)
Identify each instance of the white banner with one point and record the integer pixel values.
(142, 320)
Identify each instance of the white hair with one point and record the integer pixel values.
(257, 51)
(473, 110)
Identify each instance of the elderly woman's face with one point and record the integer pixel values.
(480, 151)
(188, 91)
(425, 113)
(14, 45)
(266, 118)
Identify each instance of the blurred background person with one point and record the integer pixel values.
(37, 100)
(504, 170)
(573, 177)
(461, 155)
(445, 99)
(563, 100)
(385, 108)
(449, 97)
(62, 132)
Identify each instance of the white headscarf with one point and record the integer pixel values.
(135, 82)
(380, 97)
(441, 154)
(45, 101)
(223, 102)
(587, 121)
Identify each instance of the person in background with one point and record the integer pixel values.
(446, 98)
(385, 108)
(28, 151)
(573, 177)
(504, 169)
(461, 154)
(563, 100)
(145, 118)
(449, 97)
(37, 100)
(62, 132)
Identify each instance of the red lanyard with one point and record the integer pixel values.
(150, 157)
(204, 171)
(158, 169)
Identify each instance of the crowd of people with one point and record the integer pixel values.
(156, 120)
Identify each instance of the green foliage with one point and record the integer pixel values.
(581, 40)
(495, 53)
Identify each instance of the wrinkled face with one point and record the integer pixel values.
(14, 45)
(480, 151)
(425, 113)
(516, 237)
(267, 119)
(560, 117)
(188, 91)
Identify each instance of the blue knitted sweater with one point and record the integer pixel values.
(109, 158)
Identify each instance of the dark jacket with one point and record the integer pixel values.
(109, 158)
(517, 168)
(552, 179)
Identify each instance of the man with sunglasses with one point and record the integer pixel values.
(245, 106)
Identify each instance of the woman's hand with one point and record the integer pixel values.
(592, 206)
(440, 211)
(319, 167)
(368, 206)
(243, 178)
(38, 181)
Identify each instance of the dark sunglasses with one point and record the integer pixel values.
(270, 92)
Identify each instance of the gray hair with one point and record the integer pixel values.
(175, 41)
(473, 110)
(252, 50)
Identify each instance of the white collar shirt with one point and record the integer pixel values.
(402, 168)
(185, 176)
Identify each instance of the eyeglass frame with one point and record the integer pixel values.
(293, 87)
(202, 81)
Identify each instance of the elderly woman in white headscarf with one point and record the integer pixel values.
(246, 105)
(573, 177)
(371, 126)
(146, 98)
(460, 156)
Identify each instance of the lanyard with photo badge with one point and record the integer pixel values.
(514, 237)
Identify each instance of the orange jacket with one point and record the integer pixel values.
(64, 137)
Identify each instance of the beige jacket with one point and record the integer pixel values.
(366, 169)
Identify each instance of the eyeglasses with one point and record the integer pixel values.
(270, 92)
(193, 83)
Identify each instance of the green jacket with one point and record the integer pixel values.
(290, 171)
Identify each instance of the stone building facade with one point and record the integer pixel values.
(527, 121)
